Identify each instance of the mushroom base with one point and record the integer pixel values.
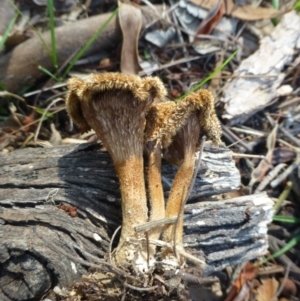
(134, 205)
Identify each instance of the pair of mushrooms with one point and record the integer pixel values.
(128, 116)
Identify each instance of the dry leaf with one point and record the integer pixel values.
(212, 19)
(248, 273)
(130, 18)
(55, 138)
(246, 13)
(267, 290)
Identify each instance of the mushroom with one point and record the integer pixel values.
(155, 188)
(178, 127)
(115, 105)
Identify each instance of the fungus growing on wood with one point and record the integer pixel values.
(115, 105)
(178, 128)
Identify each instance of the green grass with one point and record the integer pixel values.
(46, 71)
(297, 6)
(292, 243)
(286, 219)
(213, 74)
(44, 112)
(8, 31)
(275, 4)
(50, 8)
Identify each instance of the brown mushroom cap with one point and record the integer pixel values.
(165, 119)
(178, 128)
(115, 105)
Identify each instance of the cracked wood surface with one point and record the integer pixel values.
(34, 181)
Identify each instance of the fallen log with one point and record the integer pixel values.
(33, 182)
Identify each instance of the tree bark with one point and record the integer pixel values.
(33, 182)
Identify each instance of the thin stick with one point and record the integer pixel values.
(43, 116)
(286, 274)
(141, 289)
(148, 248)
(237, 155)
(179, 251)
(111, 242)
(154, 224)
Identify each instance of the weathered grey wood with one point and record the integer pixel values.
(228, 232)
(34, 181)
(256, 84)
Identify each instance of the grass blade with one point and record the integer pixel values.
(52, 31)
(7, 31)
(214, 73)
(49, 73)
(286, 219)
(292, 243)
(90, 42)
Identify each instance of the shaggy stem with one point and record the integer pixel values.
(179, 191)
(134, 202)
(156, 193)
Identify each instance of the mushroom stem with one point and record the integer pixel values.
(156, 194)
(188, 138)
(133, 193)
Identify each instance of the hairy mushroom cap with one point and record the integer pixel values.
(80, 90)
(178, 127)
(115, 105)
(165, 119)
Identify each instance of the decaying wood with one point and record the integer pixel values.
(19, 68)
(256, 84)
(34, 181)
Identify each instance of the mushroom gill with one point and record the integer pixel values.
(115, 105)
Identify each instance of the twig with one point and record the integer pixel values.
(168, 65)
(153, 224)
(58, 85)
(286, 173)
(110, 244)
(180, 251)
(43, 116)
(190, 279)
(6, 93)
(289, 135)
(235, 138)
(287, 271)
(237, 155)
(141, 289)
(269, 177)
